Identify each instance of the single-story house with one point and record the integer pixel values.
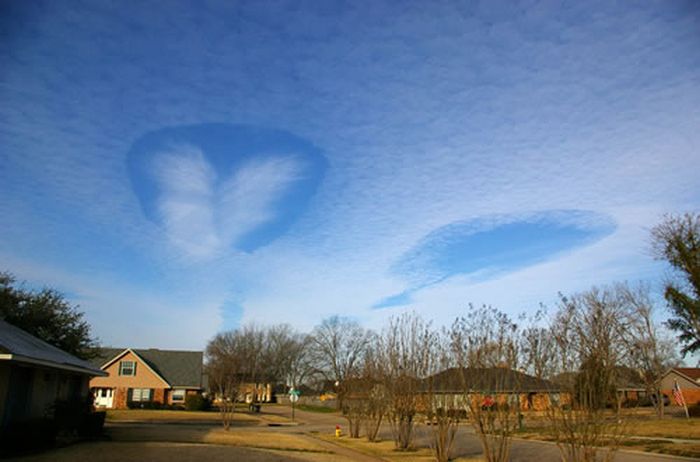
(34, 375)
(688, 379)
(146, 375)
(494, 384)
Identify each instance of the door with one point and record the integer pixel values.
(104, 397)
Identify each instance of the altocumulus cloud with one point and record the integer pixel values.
(215, 187)
(493, 245)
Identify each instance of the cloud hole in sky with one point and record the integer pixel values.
(213, 187)
(494, 245)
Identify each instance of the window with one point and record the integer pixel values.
(141, 394)
(178, 395)
(127, 368)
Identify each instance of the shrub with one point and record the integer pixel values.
(197, 403)
(144, 405)
(694, 410)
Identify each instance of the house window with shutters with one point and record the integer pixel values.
(127, 368)
(141, 394)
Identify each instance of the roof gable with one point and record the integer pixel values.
(177, 368)
(690, 372)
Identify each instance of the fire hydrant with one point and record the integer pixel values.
(337, 431)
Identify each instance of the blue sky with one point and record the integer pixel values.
(179, 169)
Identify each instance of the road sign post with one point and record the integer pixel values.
(293, 397)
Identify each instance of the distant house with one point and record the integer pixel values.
(34, 375)
(629, 385)
(688, 379)
(500, 384)
(138, 376)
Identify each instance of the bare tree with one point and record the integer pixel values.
(589, 330)
(407, 355)
(442, 410)
(286, 355)
(235, 358)
(537, 346)
(374, 394)
(649, 351)
(225, 372)
(337, 345)
(485, 345)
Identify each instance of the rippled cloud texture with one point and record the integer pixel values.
(186, 169)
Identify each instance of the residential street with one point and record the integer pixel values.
(270, 437)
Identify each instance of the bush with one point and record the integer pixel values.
(694, 410)
(144, 405)
(197, 403)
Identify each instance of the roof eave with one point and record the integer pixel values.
(53, 365)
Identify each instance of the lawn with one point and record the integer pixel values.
(157, 415)
(386, 450)
(650, 428)
(315, 408)
(669, 428)
(258, 439)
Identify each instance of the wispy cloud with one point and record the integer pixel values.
(186, 201)
(250, 197)
(205, 213)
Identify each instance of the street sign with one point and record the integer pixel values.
(293, 397)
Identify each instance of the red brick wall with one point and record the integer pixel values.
(691, 396)
(119, 400)
(159, 395)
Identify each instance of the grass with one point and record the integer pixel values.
(314, 408)
(387, 451)
(157, 415)
(667, 428)
(676, 428)
(199, 434)
(661, 428)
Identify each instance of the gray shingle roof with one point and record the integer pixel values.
(26, 348)
(178, 368)
(494, 379)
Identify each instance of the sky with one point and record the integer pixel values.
(181, 168)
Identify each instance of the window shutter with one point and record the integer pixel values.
(151, 395)
(130, 395)
(134, 373)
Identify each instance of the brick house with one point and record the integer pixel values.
(500, 384)
(688, 379)
(146, 375)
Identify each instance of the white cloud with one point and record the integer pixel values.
(246, 199)
(203, 213)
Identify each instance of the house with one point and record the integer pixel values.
(630, 387)
(35, 375)
(688, 379)
(496, 383)
(139, 376)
